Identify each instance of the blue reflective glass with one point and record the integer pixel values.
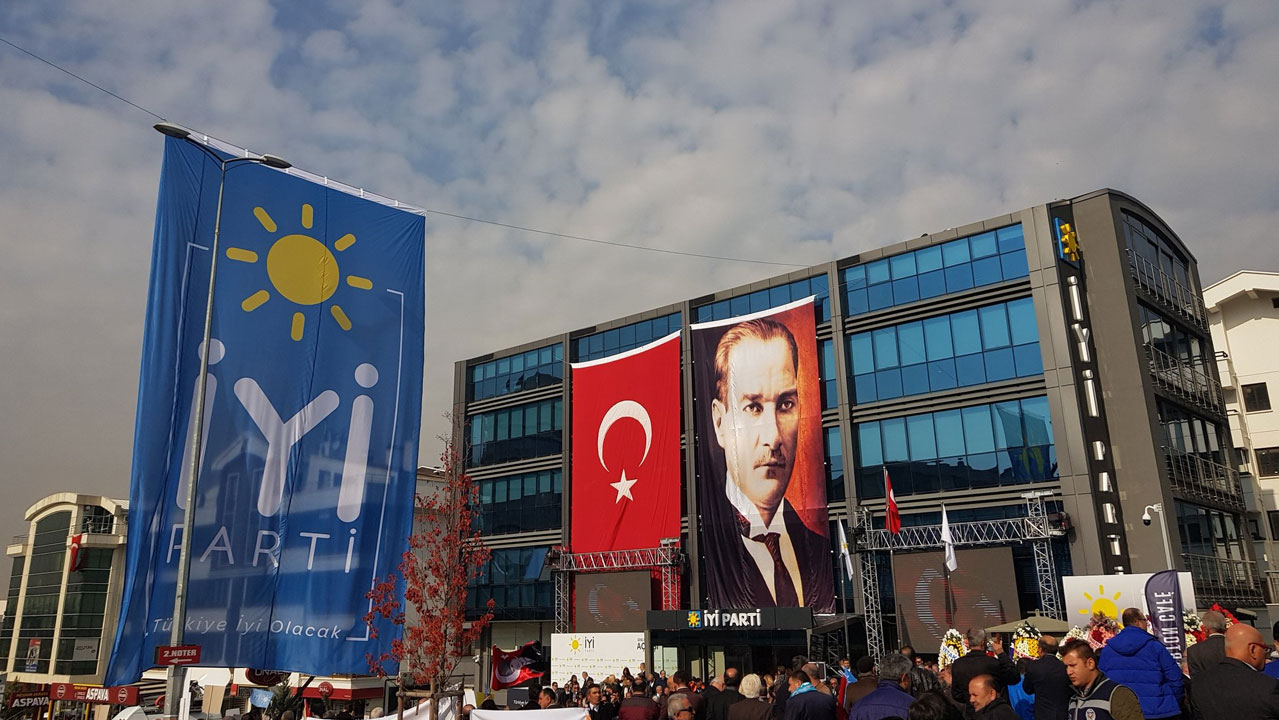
(932, 284)
(999, 365)
(628, 335)
(880, 296)
(1021, 317)
(941, 374)
(759, 301)
(855, 277)
(928, 259)
(1010, 238)
(740, 305)
(1028, 360)
(966, 332)
(959, 278)
(902, 266)
(955, 252)
(878, 272)
(1037, 421)
(597, 344)
(1008, 425)
(905, 290)
(970, 370)
(888, 384)
(994, 326)
(979, 436)
(910, 341)
(987, 271)
(894, 433)
(949, 432)
(857, 302)
(983, 469)
(779, 295)
(817, 285)
(923, 444)
(869, 447)
(983, 245)
(1014, 265)
(862, 354)
(915, 379)
(864, 388)
(937, 338)
(885, 348)
(644, 333)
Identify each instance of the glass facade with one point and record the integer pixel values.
(6, 629)
(517, 582)
(834, 465)
(999, 444)
(44, 584)
(769, 298)
(1209, 532)
(826, 368)
(627, 337)
(972, 347)
(526, 371)
(983, 259)
(524, 431)
(82, 613)
(1189, 433)
(521, 503)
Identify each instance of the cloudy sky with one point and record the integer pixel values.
(792, 132)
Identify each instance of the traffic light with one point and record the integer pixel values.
(1069, 241)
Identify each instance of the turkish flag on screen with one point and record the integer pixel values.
(626, 458)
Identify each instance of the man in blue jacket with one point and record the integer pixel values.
(1136, 659)
(890, 698)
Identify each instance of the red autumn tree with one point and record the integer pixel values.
(445, 553)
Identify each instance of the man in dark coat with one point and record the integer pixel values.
(977, 662)
(890, 698)
(697, 703)
(639, 706)
(1046, 679)
(805, 702)
(717, 704)
(1236, 688)
(988, 704)
(1207, 654)
(752, 706)
(782, 689)
(596, 707)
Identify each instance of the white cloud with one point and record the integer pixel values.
(795, 132)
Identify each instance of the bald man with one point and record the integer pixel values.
(987, 704)
(1236, 688)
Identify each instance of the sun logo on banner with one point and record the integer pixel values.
(694, 619)
(1108, 606)
(575, 645)
(301, 269)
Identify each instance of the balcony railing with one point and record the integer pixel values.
(1223, 580)
(1165, 288)
(1198, 477)
(1184, 380)
(98, 524)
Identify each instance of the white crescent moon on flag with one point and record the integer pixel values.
(512, 669)
(624, 409)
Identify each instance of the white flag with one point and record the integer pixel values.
(951, 562)
(843, 550)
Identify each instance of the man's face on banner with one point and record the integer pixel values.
(757, 424)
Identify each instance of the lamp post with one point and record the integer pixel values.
(175, 681)
(1163, 530)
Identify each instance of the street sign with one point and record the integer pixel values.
(123, 695)
(177, 654)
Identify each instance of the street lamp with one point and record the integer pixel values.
(175, 685)
(1163, 527)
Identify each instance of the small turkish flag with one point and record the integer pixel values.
(892, 517)
(74, 562)
(511, 669)
(626, 457)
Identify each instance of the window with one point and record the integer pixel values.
(526, 371)
(521, 503)
(1273, 517)
(769, 298)
(1256, 397)
(627, 337)
(972, 347)
(984, 259)
(525, 431)
(1268, 461)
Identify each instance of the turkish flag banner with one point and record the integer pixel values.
(512, 668)
(626, 456)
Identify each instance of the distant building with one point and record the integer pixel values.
(1243, 312)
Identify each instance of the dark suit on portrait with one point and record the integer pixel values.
(733, 577)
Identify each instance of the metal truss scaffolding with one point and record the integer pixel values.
(667, 560)
(1033, 528)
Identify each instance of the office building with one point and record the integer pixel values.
(1063, 347)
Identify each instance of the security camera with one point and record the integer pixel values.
(1145, 518)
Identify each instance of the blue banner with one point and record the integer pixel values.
(1164, 611)
(312, 414)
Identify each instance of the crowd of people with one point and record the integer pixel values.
(1231, 675)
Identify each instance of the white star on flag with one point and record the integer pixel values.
(623, 488)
